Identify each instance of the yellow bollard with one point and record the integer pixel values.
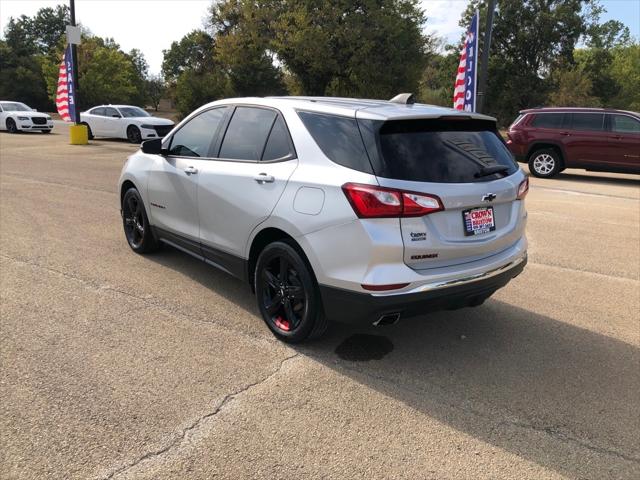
(79, 134)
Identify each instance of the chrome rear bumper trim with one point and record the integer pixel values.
(427, 287)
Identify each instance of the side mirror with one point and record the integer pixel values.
(153, 147)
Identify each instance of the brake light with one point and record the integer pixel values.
(523, 189)
(370, 201)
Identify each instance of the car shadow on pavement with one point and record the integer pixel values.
(560, 396)
(601, 180)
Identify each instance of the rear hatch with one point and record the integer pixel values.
(465, 163)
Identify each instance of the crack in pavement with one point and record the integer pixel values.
(177, 440)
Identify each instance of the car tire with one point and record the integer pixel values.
(133, 134)
(11, 126)
(289, 300)
(135, 222)
(545, 163)
(89, 132)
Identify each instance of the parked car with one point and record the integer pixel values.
(552, 139)
(17, 117)
(124, 121)
(335, 209)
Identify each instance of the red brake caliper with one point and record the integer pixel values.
(282, 323)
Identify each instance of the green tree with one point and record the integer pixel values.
(39, 34)
(530, 39)
(194, 52)
(242, 40)
(141, 69)
(625, 70)
(371, 48)
(105, 73)
(573, 89)
(194, 89)
(22, 79)
(155, 90)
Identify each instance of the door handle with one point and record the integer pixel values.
(616, 137)
(264, 178)
(565, 134)
(190, 170)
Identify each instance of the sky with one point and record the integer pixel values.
(151, 25)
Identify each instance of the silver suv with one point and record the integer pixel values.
(334, 208)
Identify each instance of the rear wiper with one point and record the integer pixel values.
(486, 171)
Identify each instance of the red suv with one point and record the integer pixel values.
(552, 139)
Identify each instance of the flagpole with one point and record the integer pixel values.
(475, 70)
(485, 55)
(74, 61)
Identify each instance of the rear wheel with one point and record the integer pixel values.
(287, 294)
(545, 163)
(133, 134)
(89, 132)
(136, 224)
(11, 126)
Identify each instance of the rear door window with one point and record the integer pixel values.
(624, 124)
(247, 133)
(547, 120)
(587, 121)
(98, 111)
(194, 139)
(460, 151)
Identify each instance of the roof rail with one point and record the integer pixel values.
(404, 99)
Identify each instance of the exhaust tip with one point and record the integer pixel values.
(387, 319)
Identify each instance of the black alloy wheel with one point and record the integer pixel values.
(136, 224)
(11, 126)
(287, 294)
(133, 134)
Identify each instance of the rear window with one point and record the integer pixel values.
(441, 151)
(547, 120)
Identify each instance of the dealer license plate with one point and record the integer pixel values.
(478, 221)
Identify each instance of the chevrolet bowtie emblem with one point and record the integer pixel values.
(489, 197)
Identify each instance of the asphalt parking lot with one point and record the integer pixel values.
(115, 365)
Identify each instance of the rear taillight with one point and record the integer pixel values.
(523, 188)
(369, 201)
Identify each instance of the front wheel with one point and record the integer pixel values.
(134, 135)
(136, 224)
(545, 163)
(89, 132)
(287, 294)
(11, 126)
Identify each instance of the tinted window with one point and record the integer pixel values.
(624, 124)
(247, 133)
(132, 112)
(547, 120)
(444, 152)
(195, 137)
(278, 145)
(97, 111)
(338, 138)
(587, 121)
(111, 112)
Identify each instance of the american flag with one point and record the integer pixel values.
(464, 92)
(65, 95)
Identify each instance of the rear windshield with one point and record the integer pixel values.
(435, 150)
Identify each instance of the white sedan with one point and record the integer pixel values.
(124, 121)
(18, 117)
